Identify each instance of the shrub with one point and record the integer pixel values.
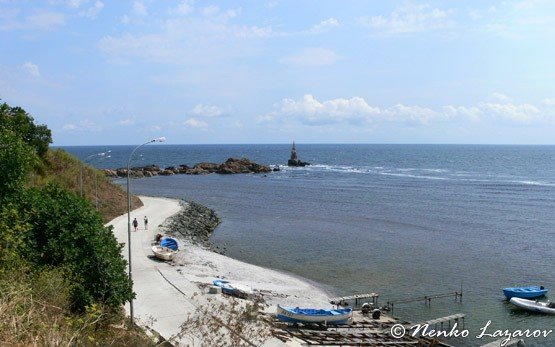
(65, 230)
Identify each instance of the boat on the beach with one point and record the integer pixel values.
(163, 253)
(313, 315)
(170, 243)
(534, 306)
(531, 292)
(238, 290)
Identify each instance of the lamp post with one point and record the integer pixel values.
(159, 139)
(81, 170)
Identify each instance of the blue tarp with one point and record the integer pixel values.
(170, 243)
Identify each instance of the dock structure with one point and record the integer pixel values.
(362, 331)
(341, 301)
(455, 318)
(427, 299)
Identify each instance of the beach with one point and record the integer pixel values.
(167, 293)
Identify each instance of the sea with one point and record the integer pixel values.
(405, 221)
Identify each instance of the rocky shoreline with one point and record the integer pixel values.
(230, 166)
(195, 223)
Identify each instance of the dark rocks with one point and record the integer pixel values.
(194, 222)
(231, 166)
(294, 161)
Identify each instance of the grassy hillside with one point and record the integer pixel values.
(63, 168)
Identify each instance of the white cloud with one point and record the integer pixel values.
(311, 57)
(207, 110)
(272, 4)
(76, 3)
(462, 111)
(126, 122)
(125, 19)
(238, 124)
(500, 97)
(409, 18)
(312, 111)
(195, 123)
(356, 111)
(139, 8)
(83, 126)
(324, 25)
(524, 113)
(92, 11)
(185, 7)
(39, 20)
(31, 69)
(409, 114)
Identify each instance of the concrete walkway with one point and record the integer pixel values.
(158, 304)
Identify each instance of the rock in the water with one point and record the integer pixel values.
(195, 222)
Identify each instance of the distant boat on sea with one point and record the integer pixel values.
(531, 292)
(312, 315)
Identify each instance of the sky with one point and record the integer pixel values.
(101, 72)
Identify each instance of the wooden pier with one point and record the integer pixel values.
(362, 331)
(427, 299)
(340, 301)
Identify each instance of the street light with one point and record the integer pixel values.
(81, 170)
(159, 139)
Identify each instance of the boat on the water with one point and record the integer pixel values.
(163, 253)
(535, 306)
(313, 315)
(531, 292)
(238, 290)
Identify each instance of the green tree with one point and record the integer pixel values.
(67, 231)
(16, 159)
(22, 124)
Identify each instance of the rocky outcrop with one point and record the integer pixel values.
(231, 166)
(194, 222)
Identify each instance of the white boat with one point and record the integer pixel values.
(534, 306)
(163, 253)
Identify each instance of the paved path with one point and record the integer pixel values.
(158, 304)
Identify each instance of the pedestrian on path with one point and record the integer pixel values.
(135, 224)
(146, 223)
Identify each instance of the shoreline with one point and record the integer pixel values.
(167, 293)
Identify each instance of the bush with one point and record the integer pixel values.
(65, 230)
(16, 159)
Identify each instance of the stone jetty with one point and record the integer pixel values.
(230, 166)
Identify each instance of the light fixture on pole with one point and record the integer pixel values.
(159, 139)
(81, 168)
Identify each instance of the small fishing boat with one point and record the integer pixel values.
(238, 290)
(163, 253)
(170, 243)
(312, 315)
(531, 292)
(535, 306)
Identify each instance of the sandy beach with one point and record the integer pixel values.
(168, 293)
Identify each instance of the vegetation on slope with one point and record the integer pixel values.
(62, 275)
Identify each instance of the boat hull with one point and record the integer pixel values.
(296, 315)
(532, 292)
(237, 290)
(163, 253)
(533, 306)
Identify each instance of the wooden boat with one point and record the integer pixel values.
(535, 306)
(238, 290)
(531, 292)
(312, 315)
(163, 253)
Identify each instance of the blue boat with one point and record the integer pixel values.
(312, 315)
(169, 243)
(238, 290)
(531, 292)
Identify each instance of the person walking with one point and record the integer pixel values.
(146, 223)
(135, 224)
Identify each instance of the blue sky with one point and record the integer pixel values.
(313, 71)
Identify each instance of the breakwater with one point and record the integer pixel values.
(195, 223)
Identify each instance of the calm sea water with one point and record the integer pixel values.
(401, 220)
